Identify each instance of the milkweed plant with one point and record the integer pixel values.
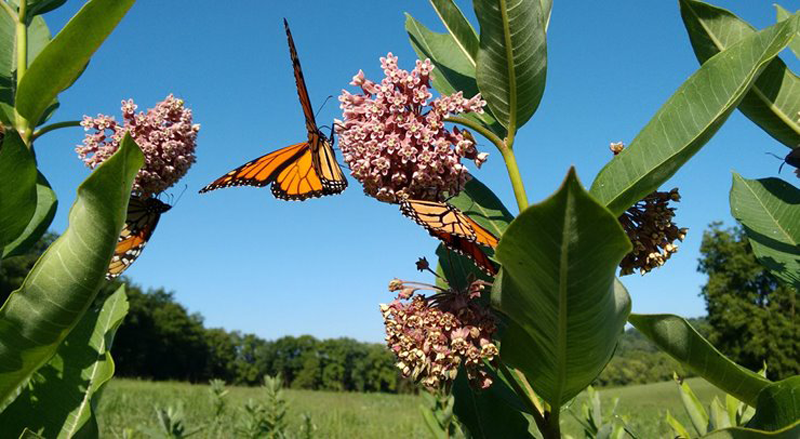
(503, 351)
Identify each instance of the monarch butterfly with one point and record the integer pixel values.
(143, 216)
(454, 228)
(297, 172)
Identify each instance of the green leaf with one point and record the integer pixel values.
(769, 210)
(512, 60)
(547, 9)
(60, 399)
(718, 418)
(455, 68)
(17, 187)
(694, 408)
(688, 119)
(459, 28)
(28, 434)
(38, 7)
(38, 38)
(46, 205)
(483, 207)
(778, 405)
(435, 429)
(774, 100)
(64, 281)
(675, 336)
(783, 14)
(557, 284)
(63, 60)
(488, 413)
(679, 429)
(790, 432)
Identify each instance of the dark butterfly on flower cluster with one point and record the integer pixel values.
(141, 221)
(296, 172)
(454, 228)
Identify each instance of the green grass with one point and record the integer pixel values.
(131, 404)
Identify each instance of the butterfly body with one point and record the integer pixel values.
(296, 172)
(142, 218)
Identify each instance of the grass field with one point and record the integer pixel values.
(130, 404)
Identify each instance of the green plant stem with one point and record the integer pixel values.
(55, 126)
(508, 156)
(526, 397)
(11, 13)
(552, 425)
(23, 125)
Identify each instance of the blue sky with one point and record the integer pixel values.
(248, 261)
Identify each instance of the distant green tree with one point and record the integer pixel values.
(751, 314)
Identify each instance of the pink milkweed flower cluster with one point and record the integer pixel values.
(432, 336)
(165, 134)
(393, 136)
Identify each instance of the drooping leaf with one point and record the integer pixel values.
(675, 336)
(557, 284)
(774, 100)
(790, 432)
(64, 281)
(778, 405)
(59, 402)
(694, 408)
(17, 187)
(688, 119)
(769, 210)
(512, 60)
(46, 205)
(783, 14)
(454, 69)
(65, 57)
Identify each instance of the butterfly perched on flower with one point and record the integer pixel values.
(297, 172)
(454, 228)
(141, 221)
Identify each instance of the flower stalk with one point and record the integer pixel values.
(54, 126)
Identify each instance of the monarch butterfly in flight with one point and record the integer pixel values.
(454, 228)
(297, 172)
(143, 216)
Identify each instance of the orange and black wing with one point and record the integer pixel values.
(454, 228)
(469, 249)
(302, 91)
(141, 221)
(443, 217)
(261, 171)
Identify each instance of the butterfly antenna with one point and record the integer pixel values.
(780, 168)
(181, 195)
(323, 105)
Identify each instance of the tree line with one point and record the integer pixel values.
(751, 318)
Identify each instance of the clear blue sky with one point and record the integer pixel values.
(248, 261)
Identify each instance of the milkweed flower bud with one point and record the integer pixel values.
(165, 134)
(432, 336)
(393, 136)
(652, 232)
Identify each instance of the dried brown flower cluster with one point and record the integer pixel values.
(432, 336)
(649, 226)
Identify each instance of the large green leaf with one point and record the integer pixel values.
(783, 14)
(769, 210)
(790, 432)
(557, 284)
(688, 119)
(694, 408)
(778, 405)
(774, 100)
(59, 401)
(459, 28)
(483, 206)
(675, 336)
(63, 60)
(64, 281)
(46, 205)
(512, 60)
(455, 67)
(17, 187)
(491, 413)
